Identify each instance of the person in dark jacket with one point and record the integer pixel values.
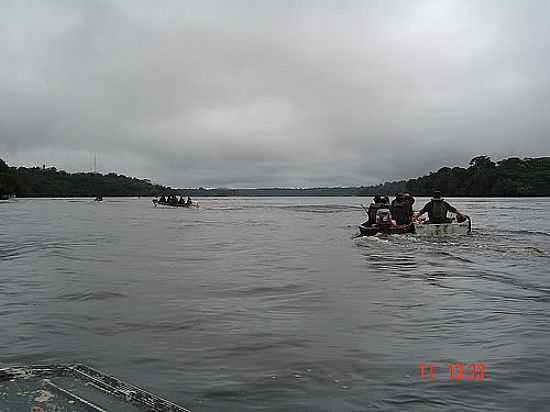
(437, 209)
(401, 208)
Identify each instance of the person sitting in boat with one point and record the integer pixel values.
(162, 199)
(401, 209)
(189, 202)
(378, 202)
(181, 202)
(437, 209)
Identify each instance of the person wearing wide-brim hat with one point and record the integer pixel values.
(437, 209)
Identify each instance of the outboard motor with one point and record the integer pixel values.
(383, 218)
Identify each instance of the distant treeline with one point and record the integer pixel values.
(508, 177)
(483, 177)
(50, 182)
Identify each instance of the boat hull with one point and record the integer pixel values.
(371, 230)
(156, 203)
(443, 229)
(420, 229)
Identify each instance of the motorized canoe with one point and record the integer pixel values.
(420, 229)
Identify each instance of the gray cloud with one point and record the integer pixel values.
(258, 93)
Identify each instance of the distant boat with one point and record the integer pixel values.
(158, 203)
(98, 197)
(6, 198)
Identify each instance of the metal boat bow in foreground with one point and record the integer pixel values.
(64, 388)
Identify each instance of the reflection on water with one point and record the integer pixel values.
(391, 262)
(267, 304)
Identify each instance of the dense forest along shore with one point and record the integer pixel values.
(512, 177)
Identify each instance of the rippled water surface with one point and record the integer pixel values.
(269, 304)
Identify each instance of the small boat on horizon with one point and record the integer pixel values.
(6, 197)
(158, 203)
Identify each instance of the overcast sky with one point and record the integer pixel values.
(272, 93)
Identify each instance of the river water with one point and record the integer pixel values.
(269, 304)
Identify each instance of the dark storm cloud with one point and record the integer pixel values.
(249, 93)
